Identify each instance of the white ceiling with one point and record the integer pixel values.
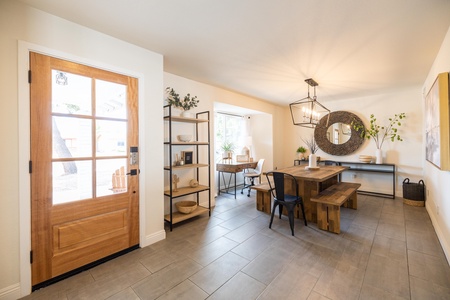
(267, 48)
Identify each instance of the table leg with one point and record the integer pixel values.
(234, 185)
(227, 186)
(218, 179)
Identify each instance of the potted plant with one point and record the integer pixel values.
(380, 133)
(186, 104)
(312, 146)
(228, 149)
(301, 152)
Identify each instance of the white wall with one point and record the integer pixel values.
(437, 182)
(208, 95)
(407, 155)
(49, 34)
(262, 133)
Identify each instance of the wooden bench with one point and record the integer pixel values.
(263, 197)
(329, 202)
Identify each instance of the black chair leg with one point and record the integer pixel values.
(245, 186)
(280, 209)
(273, 212)
(250, 186)
(291, 220)
(303, 212)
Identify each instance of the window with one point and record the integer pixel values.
(229, 129)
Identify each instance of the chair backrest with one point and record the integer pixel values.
(277, 184)
(329, 163)
(259, 166)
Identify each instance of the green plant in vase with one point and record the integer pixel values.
(301, 152)
(174, 100)
(228, 149)
(380, 133)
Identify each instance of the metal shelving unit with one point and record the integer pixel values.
(201, 119)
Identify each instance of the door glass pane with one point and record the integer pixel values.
(110, 99)
(72, 181)
(71, 94)
(72, 137)
(111, 176)
(111, 138)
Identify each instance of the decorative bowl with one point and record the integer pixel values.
(193, 183)
(186, 207)
(365, 158)
(184, 138)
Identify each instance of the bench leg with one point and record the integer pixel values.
(334, 219)
(263, 201)
(322, 216)
(352, 202)
(329, 217)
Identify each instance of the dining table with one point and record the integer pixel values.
(311, 181)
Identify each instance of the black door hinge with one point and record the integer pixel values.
(30, 166)
(29, 76)
(31, 256)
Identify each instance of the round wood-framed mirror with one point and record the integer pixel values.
(339, 138)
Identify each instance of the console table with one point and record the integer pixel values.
(388, 169)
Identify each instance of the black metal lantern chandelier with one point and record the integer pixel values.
(307, 112)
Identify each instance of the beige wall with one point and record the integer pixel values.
(438, 187)
(55, 36)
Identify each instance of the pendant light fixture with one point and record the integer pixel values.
(307, 112)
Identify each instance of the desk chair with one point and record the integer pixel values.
(251, 174)
(281, 199)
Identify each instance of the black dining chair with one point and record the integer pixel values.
(278, 182)
(328, 163)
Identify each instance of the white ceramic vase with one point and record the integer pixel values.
(187, 114)
(378, 156)
(312, 161)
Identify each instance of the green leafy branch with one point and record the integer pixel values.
(380, 133)
(174, 100)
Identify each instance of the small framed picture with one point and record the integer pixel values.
(187, 157)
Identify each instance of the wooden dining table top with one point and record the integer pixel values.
(321, 174)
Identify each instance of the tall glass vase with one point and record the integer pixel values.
(378, 156)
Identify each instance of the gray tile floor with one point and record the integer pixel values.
(386, 250)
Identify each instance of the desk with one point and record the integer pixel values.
(310, 183)
(232, 168)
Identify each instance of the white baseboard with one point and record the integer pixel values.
(441, 236)
(11, 292)
(152, 238)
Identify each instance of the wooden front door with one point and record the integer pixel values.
(84, 178)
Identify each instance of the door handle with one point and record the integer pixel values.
(133, 172)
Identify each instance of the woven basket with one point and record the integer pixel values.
(414, 193)
(186, 207)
